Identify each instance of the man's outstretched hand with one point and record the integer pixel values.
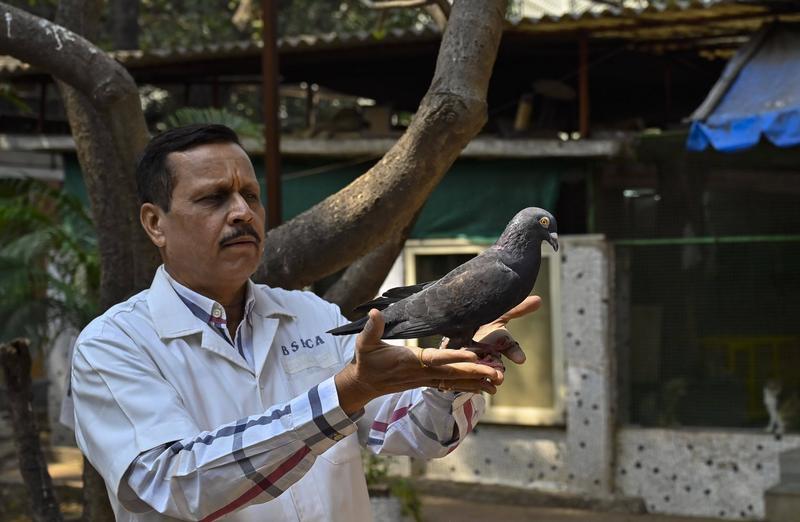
(379, 368)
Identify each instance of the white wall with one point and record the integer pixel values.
(716, 473)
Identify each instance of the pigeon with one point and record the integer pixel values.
(472, 294)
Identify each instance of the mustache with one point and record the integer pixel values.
(243, 230)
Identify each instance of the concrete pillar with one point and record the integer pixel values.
(586, 294)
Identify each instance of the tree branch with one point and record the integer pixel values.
(66, 55)
(347, 225)
(391, 4)
(15, 358)
(361, 281)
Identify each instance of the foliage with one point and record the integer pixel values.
(183, 23)
(243, 127)
(49, 264)
(346, 16)
(8, 94)
(376, 471)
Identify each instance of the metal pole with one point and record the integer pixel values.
(311, 108)
(215, 97)
(708, 240)
(42, 107)
(270, 79)
(583, 86)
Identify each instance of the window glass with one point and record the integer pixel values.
(531, 384)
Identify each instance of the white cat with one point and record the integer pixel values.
(783, 408)
(772, 391)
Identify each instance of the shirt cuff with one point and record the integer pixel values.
(318, 419)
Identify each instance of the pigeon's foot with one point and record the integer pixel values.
(493, 361)
(502, 344)
(479, 347)
(489, 353)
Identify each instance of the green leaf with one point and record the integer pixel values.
(49, 264)
(241, 125)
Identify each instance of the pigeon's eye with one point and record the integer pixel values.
(544, 221)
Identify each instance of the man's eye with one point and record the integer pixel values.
(212, 198)
(251, 196)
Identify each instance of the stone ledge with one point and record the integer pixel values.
(785, 489)
(509, 495)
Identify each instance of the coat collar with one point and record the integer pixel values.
(172, 318)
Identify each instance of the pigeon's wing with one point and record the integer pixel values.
(392, 296)
(474, 293)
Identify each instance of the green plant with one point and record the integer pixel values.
(8, 94)
(49, 264)
(376, 471)
(243, 126)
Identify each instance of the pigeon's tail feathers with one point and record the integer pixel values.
(350, 328)
(391, 296)
(380, 303)
(401, 292)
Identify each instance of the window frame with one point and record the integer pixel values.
(513, 415)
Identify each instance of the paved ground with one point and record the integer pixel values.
(441, 509)
(66, 464)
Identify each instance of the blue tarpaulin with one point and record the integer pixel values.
(757, 95)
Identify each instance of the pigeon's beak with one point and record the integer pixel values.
(553, 240)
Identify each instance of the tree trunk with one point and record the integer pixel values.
(15, 358)
(124, 17)
(372, 208)
(108, 139)
(361, 281)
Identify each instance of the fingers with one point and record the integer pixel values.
(529, 305)
(373, 330)
(469, 386)
(515, 353)
(465, 371)
(433, 357)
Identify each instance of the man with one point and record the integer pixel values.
(208, 396)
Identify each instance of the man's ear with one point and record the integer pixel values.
(152, 219)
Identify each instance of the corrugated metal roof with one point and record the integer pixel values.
(658, 20)
(288, 45)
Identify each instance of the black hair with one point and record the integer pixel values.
(154, 181)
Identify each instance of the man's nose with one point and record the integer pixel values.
(240, 211)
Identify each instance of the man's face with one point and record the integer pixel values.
(213, 234)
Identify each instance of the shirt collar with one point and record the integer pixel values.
(173, 318)
(206, 309)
